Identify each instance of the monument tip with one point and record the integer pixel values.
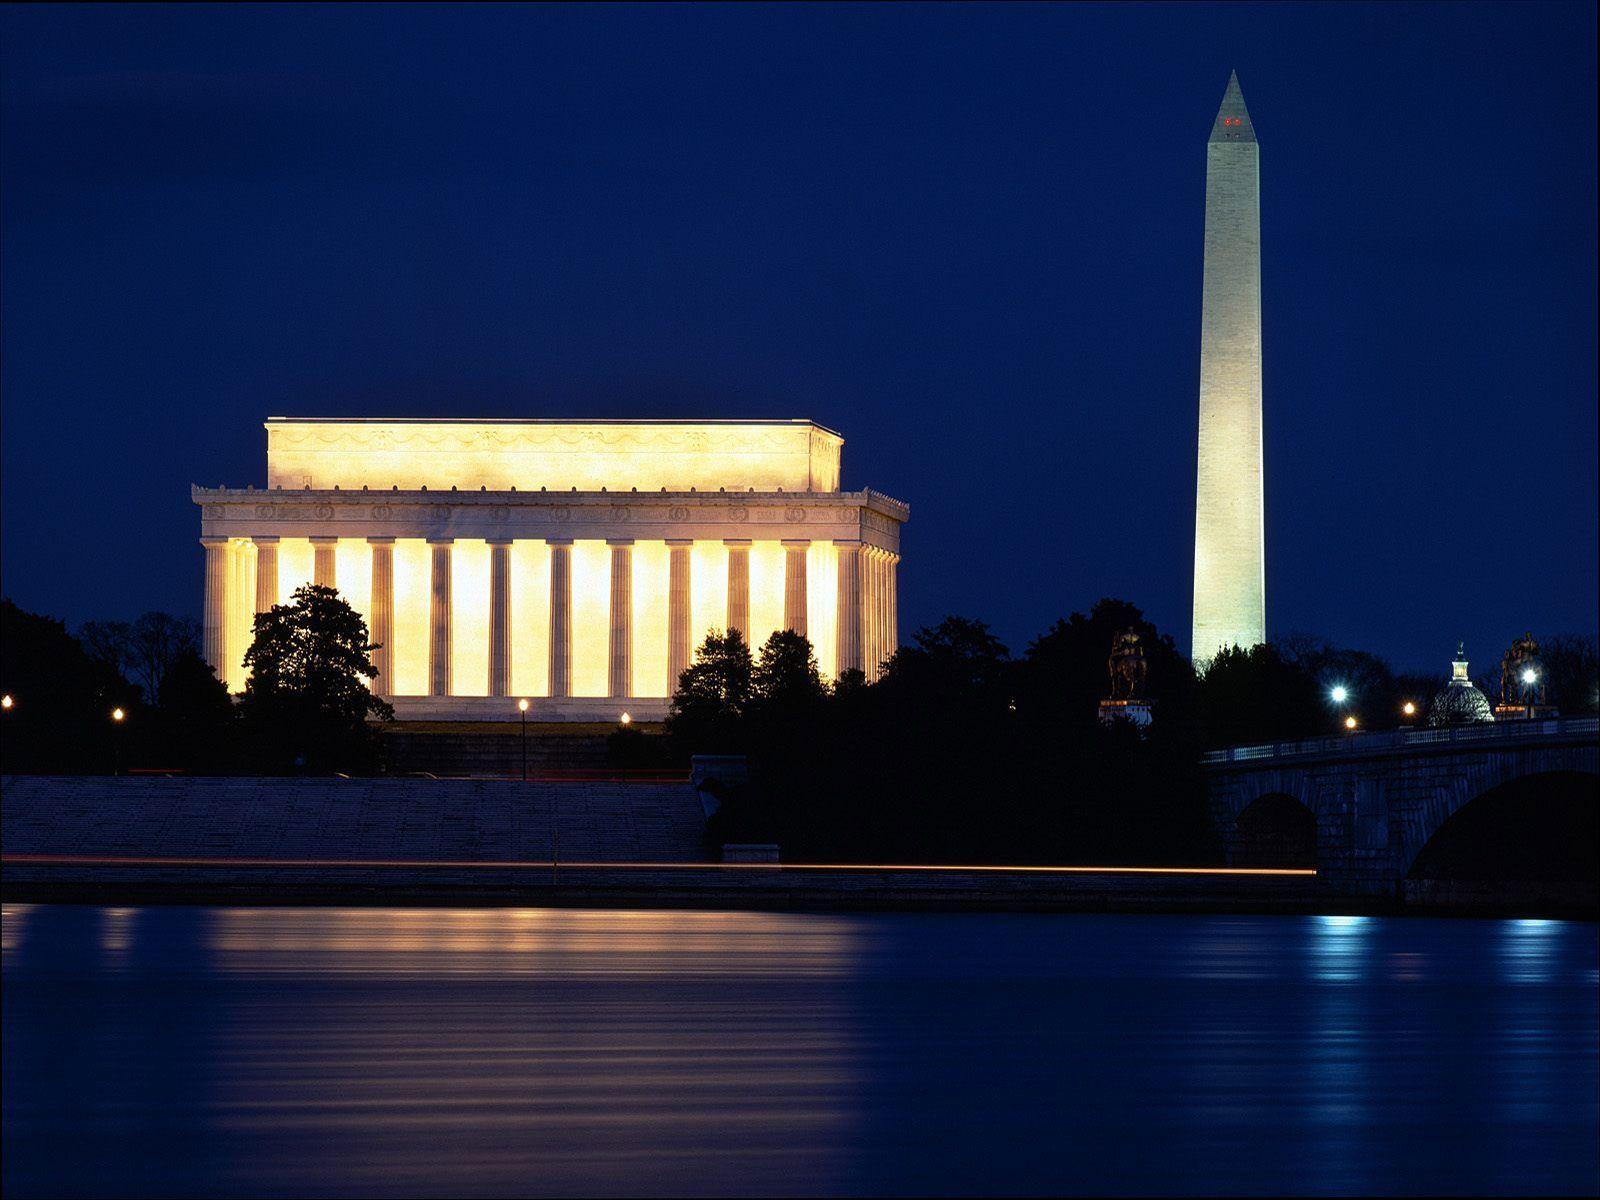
(1233, 118)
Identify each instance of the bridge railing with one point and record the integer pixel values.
(1399, 739)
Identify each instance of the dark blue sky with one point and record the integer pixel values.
(967, 238)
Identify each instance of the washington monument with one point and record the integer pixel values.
(1230, 604)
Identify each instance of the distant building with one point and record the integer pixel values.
(575, 564)
(1459, 702)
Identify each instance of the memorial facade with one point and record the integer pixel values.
(574, 565)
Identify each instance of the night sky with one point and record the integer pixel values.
(969, 239)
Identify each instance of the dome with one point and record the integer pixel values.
(1459, 702)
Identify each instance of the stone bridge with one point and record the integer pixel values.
(1375, 799)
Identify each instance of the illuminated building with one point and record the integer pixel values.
(1459, 702)
(577, 564)
(1230, 605)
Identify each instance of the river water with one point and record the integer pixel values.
(433, 1052)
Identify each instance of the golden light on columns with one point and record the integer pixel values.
(519, 593)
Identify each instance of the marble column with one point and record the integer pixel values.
(561, 617)
(894, 603)
(621, 676)
(215, 625)
(794, 584)
(382, 631)
(880, 613)
(324, 572)
(739, 585)
(847, 628)
(869, 615)
(266, 573)
(679, 646)
(499, 616)
(879, 623)
(439, 614)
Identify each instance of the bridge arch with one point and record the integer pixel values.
(1532, 825)
(1274, 830)
(1482, 775)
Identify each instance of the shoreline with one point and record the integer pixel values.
(770, 889)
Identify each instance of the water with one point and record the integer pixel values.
(430, 1052)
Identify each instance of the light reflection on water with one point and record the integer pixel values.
(512, 1051)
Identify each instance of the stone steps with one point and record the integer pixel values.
(424, 819)
(493, 755)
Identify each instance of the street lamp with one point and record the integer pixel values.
(1350, 724)
(117, 717)
(1339, 694)
(7, 703)
(1529, 678)
(522, 707)
(1409, 709)
(627, 719)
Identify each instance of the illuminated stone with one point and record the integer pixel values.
(487, 554)
(1229, 542)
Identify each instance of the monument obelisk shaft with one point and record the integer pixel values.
(1229, 537)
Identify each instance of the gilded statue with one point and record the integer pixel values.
(1127, 666)
(1520, 659)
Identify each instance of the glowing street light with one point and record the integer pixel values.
(1350, 723)
(1339, 694)
(7, 703)
(117, 714)
(626, 719)
(1409, 709)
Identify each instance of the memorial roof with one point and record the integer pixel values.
(530, 453)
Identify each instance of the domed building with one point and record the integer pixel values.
(1459, 702)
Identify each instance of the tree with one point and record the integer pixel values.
(786, 676)
(306, 704)
(708, 708)
(106, 643)
(195, 720)
(1255, 695)
(1374, 693)
(958, 657)
(1572, 673)
(60, 719)
(143, 650)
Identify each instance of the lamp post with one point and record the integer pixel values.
(7, 703)
(1529, 678)
(522, 707)
(117, 717)
(1339, 694)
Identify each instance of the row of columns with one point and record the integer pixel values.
(865, 629)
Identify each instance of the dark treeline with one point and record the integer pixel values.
(305, 709)
(960, 751)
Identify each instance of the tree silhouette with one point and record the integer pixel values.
(306, 705)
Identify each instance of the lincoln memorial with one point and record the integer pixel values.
(576, 565)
